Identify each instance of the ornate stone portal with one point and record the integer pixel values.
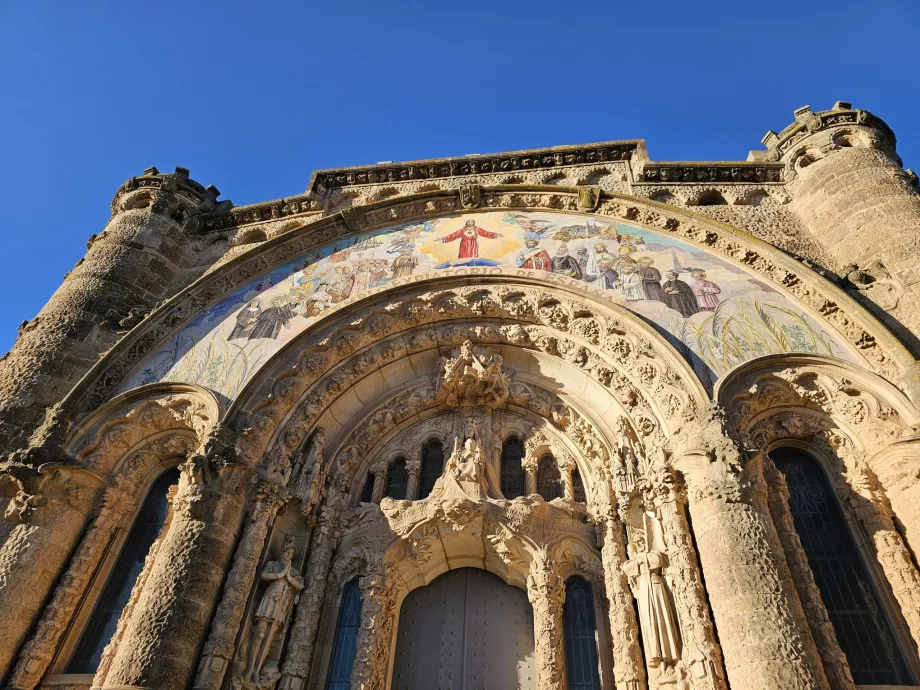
(540, 365)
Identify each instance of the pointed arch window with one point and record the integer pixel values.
(432, 466)
(549, 481)
(397, 480)
(101, 625)
(853, 605)
(512, 471)
(580, 632)
(346, 638)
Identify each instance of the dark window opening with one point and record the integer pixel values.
(512, 471)
(549, 481)
(578, 487)
(580, 632)
(117, 590)
(432, 466)
(346, 638)
(853, 606)
(397, 480)
(367, 492)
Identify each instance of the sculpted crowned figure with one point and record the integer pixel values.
(660, 632)
(284, 586)
(466, 460)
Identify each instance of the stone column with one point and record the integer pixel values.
(379, 594)
(546, 592)
(295, 672)
(822, 631)
(566, 465)
(628, 669)
(379, 470)
(896, 468)
(48, 514)
(701, 654)
(221, 645)
(414, 468)
(118, 506)
(161, 639)
(762, 629)
(531, 465)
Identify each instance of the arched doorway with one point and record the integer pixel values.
(467, 630)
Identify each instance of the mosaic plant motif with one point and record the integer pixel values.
(717, 314)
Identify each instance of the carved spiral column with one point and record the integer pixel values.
(762, 629)
(49, 513)
(701, 653)
(299, 655)
(414, 468)
(546, 592)
(379, 592)
(220, 646)
(822, 631)
(628, 669)
(118, 506)
(379, 470)
(161, 639)
(530, 464)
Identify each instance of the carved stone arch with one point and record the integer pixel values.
(866, 336)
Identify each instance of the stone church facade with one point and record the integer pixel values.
(560, 418)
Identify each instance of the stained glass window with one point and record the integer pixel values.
(346, 638)
(852, 603)
(549, 481)
(512, 471)
(578, 487)
(397, 480)
(101, 625)
(367, 492)
(432, 466)
(581, 666)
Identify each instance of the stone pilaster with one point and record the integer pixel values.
(161, 639)
(530, 474)
(822, 631)
(48, 514)
(566, 465)
(379, 471)
(701, 654)
(118, 506)
(379, 594)
(762, 629)
(628, 669)
(219, 649)
(414, 468)
(546, 592)
(295, 672)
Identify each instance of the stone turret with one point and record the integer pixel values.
(850, 190)
(128, 268)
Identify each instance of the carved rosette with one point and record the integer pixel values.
(546, 592)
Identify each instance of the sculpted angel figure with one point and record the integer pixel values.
(284, 586)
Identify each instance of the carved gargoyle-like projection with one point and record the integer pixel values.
(473, 376)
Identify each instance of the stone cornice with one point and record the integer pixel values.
(474, 164)
(808, 122)
(728, 172)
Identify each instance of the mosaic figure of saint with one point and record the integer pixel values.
(271, 320)
(598, 253)
(246, 320)
(469, 236)
(534, 257)
(678, 295)
(607, 275)
(565, 264)
(705, 291)
(651, 279)
(630, 283)
(405, 263)
(341, 284)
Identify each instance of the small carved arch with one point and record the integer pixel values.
(756, 197)
(805, 157)
(250, 236)
(663, 196)
(386, 193)
(846, 138)
(711, 197)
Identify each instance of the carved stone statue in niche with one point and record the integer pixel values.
(472, 376)
(284, 586)
(466, 459)
(660, 631)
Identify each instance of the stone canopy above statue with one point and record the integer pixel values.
(472, 376)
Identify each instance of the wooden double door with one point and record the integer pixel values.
(467, 630)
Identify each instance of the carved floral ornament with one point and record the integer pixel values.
(881, 350)
(816, 399)
(643, 374)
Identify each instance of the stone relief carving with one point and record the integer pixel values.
(472, 376)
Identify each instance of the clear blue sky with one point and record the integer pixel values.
(252, 96)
